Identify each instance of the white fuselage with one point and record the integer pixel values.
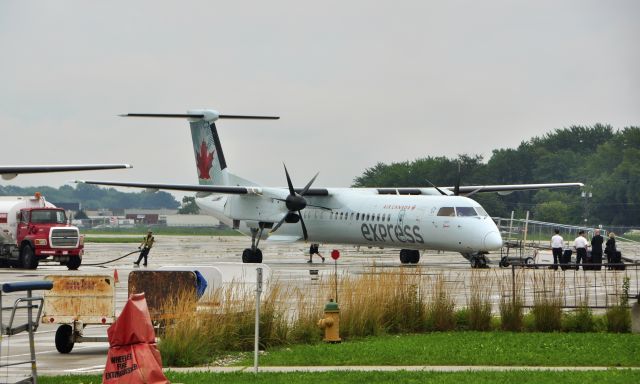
(360, 218)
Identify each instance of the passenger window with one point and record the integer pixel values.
(367, 217)
(446, 211)
(341, 214)
(388, 217)
(351, 215)
(357, 216)
(378, 217)
(466, 211)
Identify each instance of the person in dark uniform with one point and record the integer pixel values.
(147, 243)
(610, 248)
(596, 247)
(313, 250)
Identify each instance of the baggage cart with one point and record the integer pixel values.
(76, 301)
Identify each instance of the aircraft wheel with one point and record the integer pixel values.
(504, 262)
(247, 255)
(257, 256)
(529, 261)
(482, 262)
(64, 341)
(28, 259)
(404, 257)
(414, 257)
(474, 262)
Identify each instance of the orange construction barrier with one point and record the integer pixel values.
(133, 355)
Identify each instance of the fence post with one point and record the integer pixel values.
(257, 328)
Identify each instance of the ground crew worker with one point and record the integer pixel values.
(556, 247)
(581, 244)
(313, 250)
(147, 243)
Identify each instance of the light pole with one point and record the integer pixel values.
(586, 195)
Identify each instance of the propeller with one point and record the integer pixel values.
(295, 203)
(456, 188)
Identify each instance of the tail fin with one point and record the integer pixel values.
(210, 163)
(210, 160)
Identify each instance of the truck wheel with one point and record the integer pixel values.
(64, 342)
(74, 263)
(28, 259)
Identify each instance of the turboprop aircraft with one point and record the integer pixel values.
(411, 219)
(9, 172)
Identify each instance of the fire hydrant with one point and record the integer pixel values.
(331, 322)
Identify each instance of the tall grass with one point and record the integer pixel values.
(377, 303)
(440, 309)
(618, 315)
(511, 303)
(547, 301)
(479, 302)
(373, 303)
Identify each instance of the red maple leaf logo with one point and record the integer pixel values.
(204, 161)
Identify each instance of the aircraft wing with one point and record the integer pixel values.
(11, 171)
(223, 189)
(506, 189)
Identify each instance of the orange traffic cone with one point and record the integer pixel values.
(115, 276)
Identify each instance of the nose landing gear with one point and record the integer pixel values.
(409, 256)
(477, 260)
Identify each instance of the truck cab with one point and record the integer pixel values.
(34, 230)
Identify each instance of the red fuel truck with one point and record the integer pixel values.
(32, 229)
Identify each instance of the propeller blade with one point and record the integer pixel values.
(279, 223)
(474, 192)
(291, 190)
(437, 189)
(306, 187)
(304, 227)
(456, 189)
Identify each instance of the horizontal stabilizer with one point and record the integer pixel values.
(206, 114)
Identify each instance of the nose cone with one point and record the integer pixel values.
(492, 241)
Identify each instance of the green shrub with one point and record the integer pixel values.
(479, 315)
(462, 319)
(511, 314)
(618, 319)
(618, 316)
(580, 320)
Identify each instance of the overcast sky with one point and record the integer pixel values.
(354, 82)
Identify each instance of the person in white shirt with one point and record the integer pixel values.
(556, 247)
(580, 244)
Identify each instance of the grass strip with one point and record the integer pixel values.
(521, 377)
(467, 348)
(169, 231)
(111, 240)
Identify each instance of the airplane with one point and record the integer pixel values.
(9, 172)
(411, 219)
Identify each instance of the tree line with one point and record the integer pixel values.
(92, 197)
(607, 161)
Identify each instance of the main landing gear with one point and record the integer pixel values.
(409, 256)
(253, 254)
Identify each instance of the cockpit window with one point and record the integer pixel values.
(446, 211)
(466, 211)
(481, 211)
